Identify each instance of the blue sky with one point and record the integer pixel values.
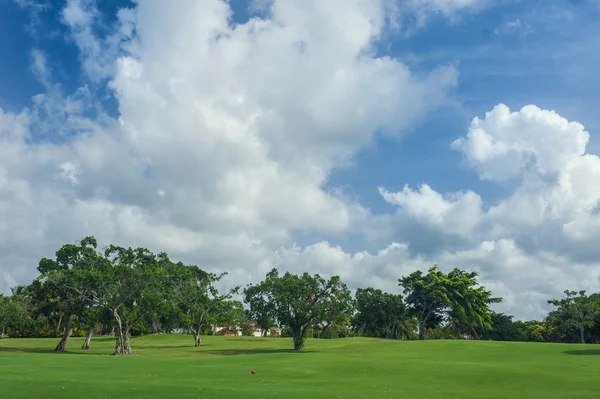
(304, 208)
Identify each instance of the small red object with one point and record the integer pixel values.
(253, 371)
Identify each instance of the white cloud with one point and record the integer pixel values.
(225, 137)
(547, 226)
(227, 134)
(524, 282)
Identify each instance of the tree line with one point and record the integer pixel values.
(124, 292)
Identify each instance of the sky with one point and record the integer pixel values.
(359, 138)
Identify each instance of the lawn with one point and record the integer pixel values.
(168, 366)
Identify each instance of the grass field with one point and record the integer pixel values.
(167, 366)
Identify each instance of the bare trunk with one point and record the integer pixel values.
(123, 346)
(581, 332)
(58, 325)
(197, 340)
(421, 331)
(63, 341)
(2, 332)
(88, 338)
(298, 336)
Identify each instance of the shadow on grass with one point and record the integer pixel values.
(584, 352)
(242, 351)
(70, 351)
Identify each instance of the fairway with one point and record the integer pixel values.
(168, 366)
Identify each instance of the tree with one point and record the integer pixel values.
(337, 313)
(134, 282)
(579, 309)
(427, 296)
(456, 296)
(199, 300)
(504, 329)
(9, 311)
(469, 303)
(67, 281)
(294, 301)
(383, 315)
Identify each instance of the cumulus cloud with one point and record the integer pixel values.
(547, 225)
(525, 282)
(225, 136)
(227, 133)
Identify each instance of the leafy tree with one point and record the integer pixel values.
(9, 311)
(134, 282)
(337, 313)
(504, 329)
(199, 300)
(380, 314)
(469, 303)
(536, 331)
(578, 309)
(294, 301)
(455, 296)
(428, 296)
(68, 281)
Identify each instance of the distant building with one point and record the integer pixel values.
(226, 332)
(273, 331)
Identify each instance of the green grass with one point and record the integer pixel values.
(167, 366)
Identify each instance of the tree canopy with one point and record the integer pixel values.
(124, 292)
(294, 301)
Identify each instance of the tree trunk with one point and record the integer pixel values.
(88, 338)
(298, 337)
(63, 341)
(58, 325)
(581, 332)
(421, 331)
(122, 347)
(2, 332)
(197, 340)
(127, 342)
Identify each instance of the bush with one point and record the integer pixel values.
(47, 333)
(78, 332)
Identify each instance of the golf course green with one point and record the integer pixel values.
(169, 366)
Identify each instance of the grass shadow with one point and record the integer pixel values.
(242, 351)
(584, 352)
(6, 349)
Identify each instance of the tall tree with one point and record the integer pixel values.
(294, 301)
(337, 313)
(199, 299)
(456, 296)
(67, 281)
(134, 282)
(381, 314)
(427, 296)
(579, 309)
(10, 311)
(469, 303)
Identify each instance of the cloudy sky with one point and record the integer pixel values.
(363, 138)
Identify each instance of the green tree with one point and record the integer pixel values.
(337, 311)
(199, 299)
(579, 309)
(294, 301)
(10, 311)
(504, 329)
(469, 303)
(380, 314)
(68, 281)
(456, 296)
(134, 282)
(427, 296)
